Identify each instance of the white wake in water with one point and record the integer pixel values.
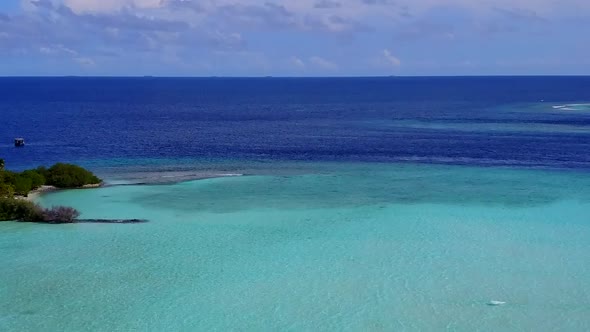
(573, 107)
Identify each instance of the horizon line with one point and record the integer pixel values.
(291, 77)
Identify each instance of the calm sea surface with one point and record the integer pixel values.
(365, 204)
(474, 121)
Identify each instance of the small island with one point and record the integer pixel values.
(16, 187)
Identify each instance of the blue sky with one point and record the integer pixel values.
(294, 38)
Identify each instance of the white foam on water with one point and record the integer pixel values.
(573, 107)
(229, 174)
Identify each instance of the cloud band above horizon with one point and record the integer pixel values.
(294, 38)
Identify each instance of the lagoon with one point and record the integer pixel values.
(359, 247)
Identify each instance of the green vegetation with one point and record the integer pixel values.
(37, 179)
(59, 175)
(21, 184)
(21, 210)
(6, 190)
(18, 209)
(68, 176)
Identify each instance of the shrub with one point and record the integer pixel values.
(32, 213)
(21, 210)
(69, 176)
(60, 214)
(17, 209)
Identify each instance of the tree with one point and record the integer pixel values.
(43, 171)
(37, 180)
(18, 209)
(69, 176)
(2, 164)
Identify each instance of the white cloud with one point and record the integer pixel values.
(190, 31)
(322, 63)
(66, 53)
(86, 62)
(297, 62)
(57, 50)
(109, 5)
(346, 8)
(391, 59)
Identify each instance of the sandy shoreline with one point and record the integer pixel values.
(165, 179)
(35, 194)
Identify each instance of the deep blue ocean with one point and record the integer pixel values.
(498, 121)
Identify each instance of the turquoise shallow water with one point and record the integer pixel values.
(358, 247)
